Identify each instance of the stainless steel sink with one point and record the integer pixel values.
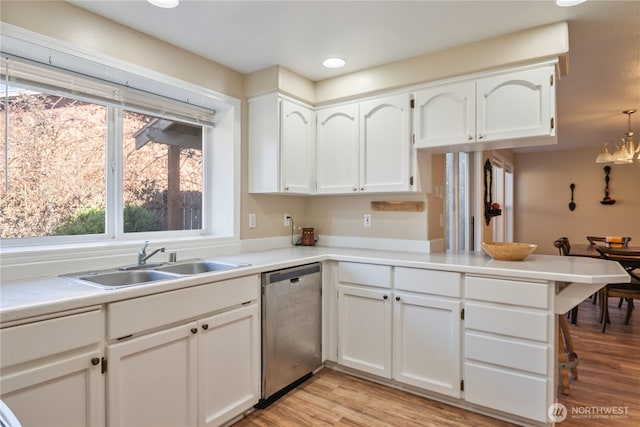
(119, 279)
(198, 266)
(116, 279)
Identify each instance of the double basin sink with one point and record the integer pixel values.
(116, 279)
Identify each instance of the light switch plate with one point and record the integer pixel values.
(252, 220)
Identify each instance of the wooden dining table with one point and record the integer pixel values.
(589, 250)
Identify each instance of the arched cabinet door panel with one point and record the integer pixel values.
(516, 105)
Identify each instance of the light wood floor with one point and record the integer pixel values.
(608, 376)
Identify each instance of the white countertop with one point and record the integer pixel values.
(20, 299)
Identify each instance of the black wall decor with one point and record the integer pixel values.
(490, 209)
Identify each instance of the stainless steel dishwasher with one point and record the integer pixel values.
(291, 328)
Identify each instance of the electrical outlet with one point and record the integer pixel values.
(287, 220)
(252, 220)
(367, 220)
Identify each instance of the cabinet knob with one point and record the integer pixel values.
(385, 296)
(205, 326)
(286, 188)
(480, 136)
(95, 361)
(194, 330)
(397, 298)
(361, 188)
(355, 189)
(470, 138)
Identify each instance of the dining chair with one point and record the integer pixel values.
(630, 261)
(567, 357)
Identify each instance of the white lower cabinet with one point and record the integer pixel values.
(51, 377)
(364, 329)
(508, 361)
(400, 334)
(426, 342)
(152, 380)
(228, 364)
(202, 372)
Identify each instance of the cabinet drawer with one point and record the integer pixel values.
(511, 354)
(529, 294)
(515, 393)
(522, 323)
(436, 282)
(146, 313)
(49, 337)
(365, 274)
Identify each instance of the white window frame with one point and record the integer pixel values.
(221, 157)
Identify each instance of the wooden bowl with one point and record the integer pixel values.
(508, 251)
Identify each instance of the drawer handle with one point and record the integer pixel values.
(385, 296)
(397, 298)
(205, 326)
(194, 330)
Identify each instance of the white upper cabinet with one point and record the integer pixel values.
(498, 108)
(365, 146)
(385, 144)
(445, 115)
(281, 146)
(337, 149)
(297, 147)
(516, 105)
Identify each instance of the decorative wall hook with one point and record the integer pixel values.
(572, 205)
(607, 200)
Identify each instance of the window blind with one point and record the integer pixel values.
(57, 81)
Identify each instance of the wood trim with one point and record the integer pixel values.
(398, 206)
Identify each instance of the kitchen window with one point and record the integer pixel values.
(84, 159)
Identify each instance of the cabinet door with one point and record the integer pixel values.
(228, 364)
(445, 115)
(297, 147)
(337, 150)
(515, 105)
(364, 329)
(426, 343)
(66, 392)
(152, 379)
(385, 145)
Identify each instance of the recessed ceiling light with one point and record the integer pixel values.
(167, 4)
(569, 3)
(334, 62)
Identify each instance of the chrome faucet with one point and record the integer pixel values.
(143, 257)
(142, 253)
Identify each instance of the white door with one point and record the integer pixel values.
(228, 364)
(151, 380)
(385, 144)
(66, 392)
(297, 147)
(364, 329)
(337, 150)
(515, 105)
(445, 115)
(426, 343)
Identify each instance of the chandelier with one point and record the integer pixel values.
(625, 149)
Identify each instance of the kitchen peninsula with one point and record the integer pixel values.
(456, 327)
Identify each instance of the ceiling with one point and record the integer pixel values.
(604, 40)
